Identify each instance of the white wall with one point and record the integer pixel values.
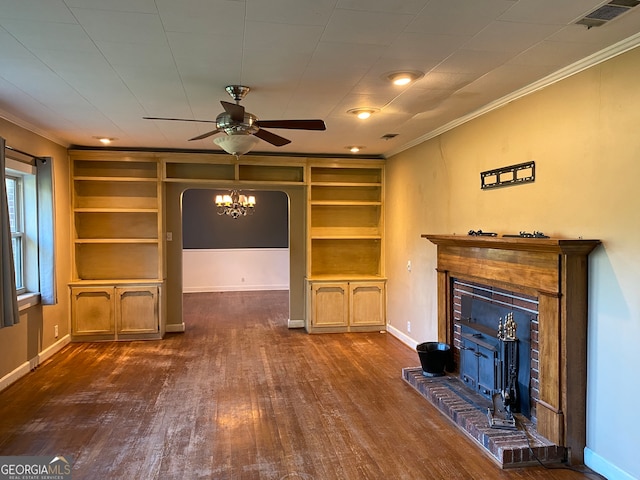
(582, 133)
(235, 270)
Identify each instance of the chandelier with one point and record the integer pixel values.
(235, 205)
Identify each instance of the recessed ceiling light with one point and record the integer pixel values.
(105, 140)
(354, 149)
(401, 78)
(363, 113)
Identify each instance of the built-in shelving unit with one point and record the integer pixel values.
(118, 235)
(117, 246)
(345, 250)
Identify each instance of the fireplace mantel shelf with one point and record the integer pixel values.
(551, 245)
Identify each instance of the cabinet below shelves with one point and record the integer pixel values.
(346, 306)
(116, 312)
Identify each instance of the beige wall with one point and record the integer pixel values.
(23, 342)
(583, 135)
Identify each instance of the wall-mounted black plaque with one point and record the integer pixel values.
(505, 176)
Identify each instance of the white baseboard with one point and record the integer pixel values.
(49, 352)
(598, 464)
(34, 362)
(296, 323)
(15, 375)
(407, 340)
(174, 328)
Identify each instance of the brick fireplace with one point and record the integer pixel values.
(552, 273)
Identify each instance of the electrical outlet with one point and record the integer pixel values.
(408, 327)
(409, 266)
(55, 331)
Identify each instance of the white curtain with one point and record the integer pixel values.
(8, 297)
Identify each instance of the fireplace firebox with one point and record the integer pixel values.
(492, 361)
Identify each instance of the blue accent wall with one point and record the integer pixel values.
(203, 228)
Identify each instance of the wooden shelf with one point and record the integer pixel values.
(119, 170)
(345, 184)
(345, 203)
(114, 179)
(342, 277)
(116, 240)
(116, 210)
(271, 173)
(346, 256)
(345, 233)
(116, 260)
(346, 176)
(199, 171)
(115, 224)
(129, 281)
(112, 194)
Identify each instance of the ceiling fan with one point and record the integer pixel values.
(239, 125)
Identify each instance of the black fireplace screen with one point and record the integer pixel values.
(484, 359)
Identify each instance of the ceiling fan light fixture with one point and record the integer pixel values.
(237, 144)
(363, 113)
(402, 78)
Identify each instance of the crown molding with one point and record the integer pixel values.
(18, 122)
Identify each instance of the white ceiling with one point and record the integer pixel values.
(77, 69)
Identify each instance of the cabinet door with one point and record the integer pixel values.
(92, 311)
(137, 309)
(329, 304)
(367, 303)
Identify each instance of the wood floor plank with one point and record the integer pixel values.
(240, 396)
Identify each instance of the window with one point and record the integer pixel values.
(20, 182)
(15, 199)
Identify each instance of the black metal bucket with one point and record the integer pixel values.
(434, 358)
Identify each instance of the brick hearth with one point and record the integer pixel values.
(468, 411)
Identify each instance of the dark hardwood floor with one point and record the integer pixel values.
(240, 396)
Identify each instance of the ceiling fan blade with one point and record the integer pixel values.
(293, 124)
(178, 119)
(272, 138)
(205, 135)
(236, 111)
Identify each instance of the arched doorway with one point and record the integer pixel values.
(222, 253)
(173, 291)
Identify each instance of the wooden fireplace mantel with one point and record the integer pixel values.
(556, 272)
(554, 245)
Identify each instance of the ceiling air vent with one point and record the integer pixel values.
(607, 12)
